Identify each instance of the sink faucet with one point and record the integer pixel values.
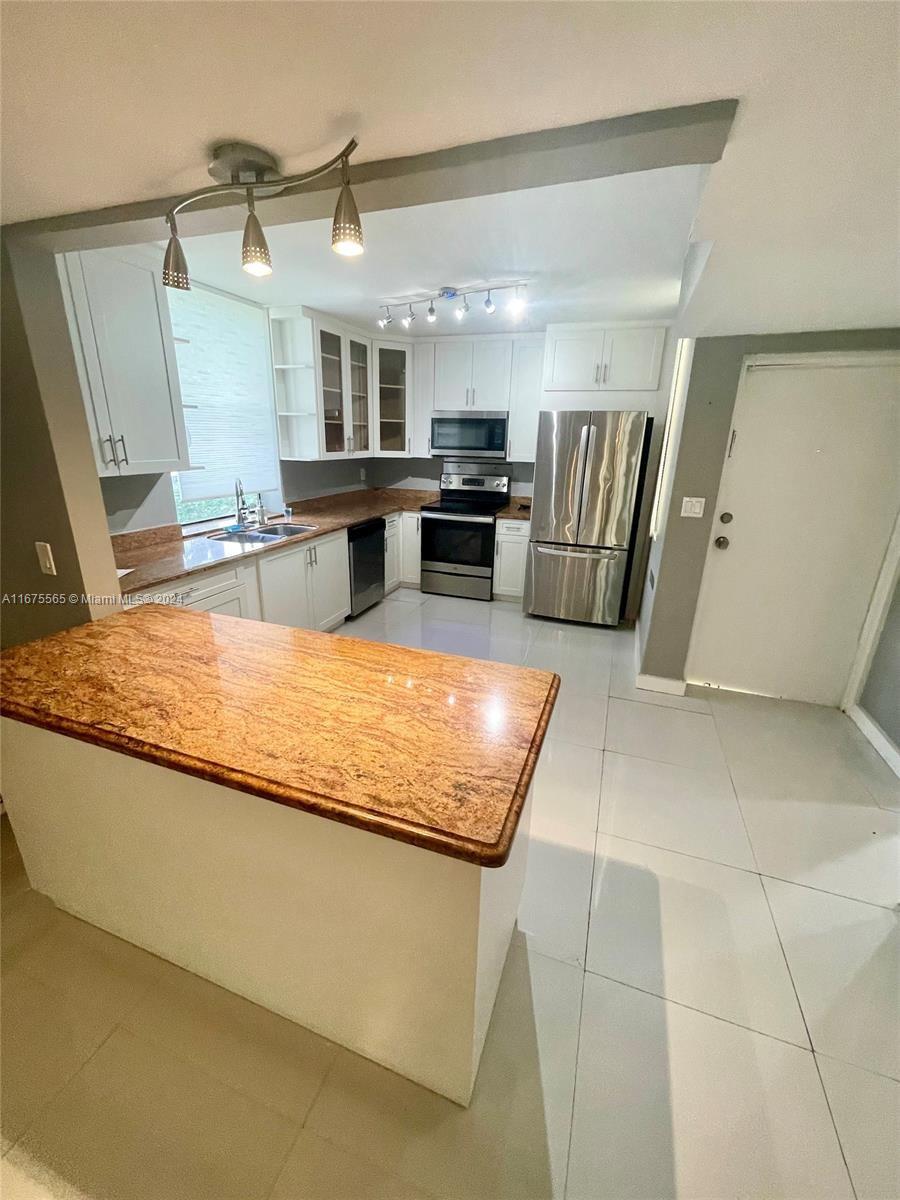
(240, 503)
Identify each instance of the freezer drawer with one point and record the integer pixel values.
(575, 583)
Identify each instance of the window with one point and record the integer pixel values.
(224, 369)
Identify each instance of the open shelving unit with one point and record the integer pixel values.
(293, 362)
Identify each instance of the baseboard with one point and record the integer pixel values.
(876, 737)
(659, 683)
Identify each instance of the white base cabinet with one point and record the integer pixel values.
(307, 586)
(510, 556)
(233, 590)
(392, 535)
(411, 549)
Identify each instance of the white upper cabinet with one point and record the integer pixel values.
(572, 361)
(392, 417)
(591, 359)
(472, 373)
(119, 320)
(331, 363)
(631, 360)
(452, 375)
(423, 398)
(491, 371)
(525, 398)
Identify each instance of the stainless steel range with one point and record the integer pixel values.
(458, 531)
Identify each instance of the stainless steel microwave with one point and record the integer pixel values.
(471, 434)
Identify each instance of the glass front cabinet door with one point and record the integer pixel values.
(334, 408)
(393, 432)
(360, 397)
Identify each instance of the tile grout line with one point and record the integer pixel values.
(734, 790)
(301, 1127)
(586, 941)
(809, 1035)
(773, 1037)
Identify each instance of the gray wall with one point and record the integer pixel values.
(138, 502)
(707, 421)
(881, 695)
(33, 505)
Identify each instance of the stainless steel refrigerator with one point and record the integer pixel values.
(587, 475)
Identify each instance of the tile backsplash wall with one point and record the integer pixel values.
(425, 473)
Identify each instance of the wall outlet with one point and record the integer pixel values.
(45, 557)
(693, 506)
(362, 474)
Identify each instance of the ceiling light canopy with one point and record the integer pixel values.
(515, 307)
(250, 169)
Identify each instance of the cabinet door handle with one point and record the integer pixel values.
(429, 445)
(315, 551)
(113, 462)
(409, 445)
(596, 372)
(473, 397)
(467, 397)
(121, 438)
(605, 372)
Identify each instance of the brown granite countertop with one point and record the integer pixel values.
(154, 556)
(518, 509)
(431, 749)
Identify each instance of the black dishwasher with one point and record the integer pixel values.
(366, 564)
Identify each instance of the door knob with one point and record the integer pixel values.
(721, 543)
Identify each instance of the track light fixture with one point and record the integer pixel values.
(515, 307)
(387, 319)
(240, 167)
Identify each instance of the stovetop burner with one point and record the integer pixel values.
(484, 505)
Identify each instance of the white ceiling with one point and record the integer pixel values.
(109, 103)
(605, 249)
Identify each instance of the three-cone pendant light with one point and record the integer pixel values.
(250, 168)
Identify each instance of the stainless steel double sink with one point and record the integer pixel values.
(260, 535)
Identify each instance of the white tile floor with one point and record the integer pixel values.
(703, 1003)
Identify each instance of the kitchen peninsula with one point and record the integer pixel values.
(333, 828)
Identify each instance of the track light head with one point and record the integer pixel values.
(175, 271)
(346, 228)
(387, 319)
(255, 258)
(409, 318)
(431, 315)
(516, 305)
(462, 309)
(489, 305)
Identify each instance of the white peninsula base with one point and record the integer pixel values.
(390, 950)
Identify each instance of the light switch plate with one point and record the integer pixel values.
(45, 557)
(693, 506)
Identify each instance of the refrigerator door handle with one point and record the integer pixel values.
(577, 553)
(580, 472)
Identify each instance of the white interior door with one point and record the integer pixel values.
(813, 485)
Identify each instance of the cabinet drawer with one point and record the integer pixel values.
(510, 528)
(194, 587)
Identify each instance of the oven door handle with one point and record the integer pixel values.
(453, 517)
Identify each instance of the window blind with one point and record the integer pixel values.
(226, 386)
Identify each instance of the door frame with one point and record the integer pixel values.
(882, 592)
